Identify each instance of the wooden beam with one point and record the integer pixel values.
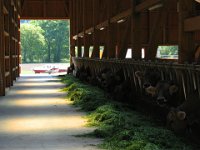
(81, 34)
(72, 41)
(2, 62)
(111, 33)
(146, 5)
(136, 32)
(86, 20)
(95, 53)
(125, 40)
(154, 35)
(120, 16)
(192, 24)
(186, 39)
(102, 25)
(89, 31)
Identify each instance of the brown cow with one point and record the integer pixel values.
(165, 92)
(186, 116)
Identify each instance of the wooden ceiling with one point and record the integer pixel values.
(45, 9)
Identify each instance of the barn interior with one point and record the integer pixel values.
(101, 33)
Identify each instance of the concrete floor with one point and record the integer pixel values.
(35, 116)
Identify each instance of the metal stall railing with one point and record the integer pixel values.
(187, 76)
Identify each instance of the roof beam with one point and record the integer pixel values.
(146, 5)
(122, 15)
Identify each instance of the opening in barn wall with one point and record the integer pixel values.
(44, 46)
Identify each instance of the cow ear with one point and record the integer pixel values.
(139, 74)
(103, 75)
(151, 90)
(171, 116)
(181, 115)
(173, 89)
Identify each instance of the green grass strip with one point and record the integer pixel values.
(120, 127)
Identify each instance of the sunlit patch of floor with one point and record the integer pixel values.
(36, 91)
(32, 102)
(40, 124)
(35, 116)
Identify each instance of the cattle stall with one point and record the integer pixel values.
(186, 75)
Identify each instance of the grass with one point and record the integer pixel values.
(120, 127)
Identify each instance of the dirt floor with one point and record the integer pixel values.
(35, 116)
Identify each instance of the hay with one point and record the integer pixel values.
(121, 127)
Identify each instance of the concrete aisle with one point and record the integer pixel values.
(35, 116)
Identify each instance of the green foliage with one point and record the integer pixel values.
(32, 42)
(167, 52)
(122, 128)
(56, 38)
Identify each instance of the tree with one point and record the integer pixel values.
(32, 43)
(56, 33)
(168, 50)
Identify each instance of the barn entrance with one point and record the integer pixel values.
(44, 46)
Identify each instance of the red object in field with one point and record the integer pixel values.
(48, 69)
(39, 71)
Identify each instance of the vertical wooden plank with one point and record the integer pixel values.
(85, 22)
(123, 46)
(153, 39)
(72, 24)
(136, 32)
(111, 31)
(186, 39)
(96, 49)
(2, 61)
(78, 26)
(11, 47)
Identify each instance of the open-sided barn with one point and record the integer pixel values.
(116, 45)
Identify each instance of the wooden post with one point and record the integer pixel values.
(86, 9)
(72, 24)
(186, 39)
(136, 32)
(96, 49)
(155, 32)
(78, 24)
(2, 62)
(123, 46)
(111, 46)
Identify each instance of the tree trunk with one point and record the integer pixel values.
(49, 52)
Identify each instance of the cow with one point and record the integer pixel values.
(108, 79)
(165, 93)
(186, 117)
(83, 73)
(149, 77)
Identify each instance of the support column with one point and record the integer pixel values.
(72, 24)
(111, 38)
(96, 50)
(186, 39)
(136, 32)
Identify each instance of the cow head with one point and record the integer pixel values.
(176, 121)
(150, 77)
(163, 92)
